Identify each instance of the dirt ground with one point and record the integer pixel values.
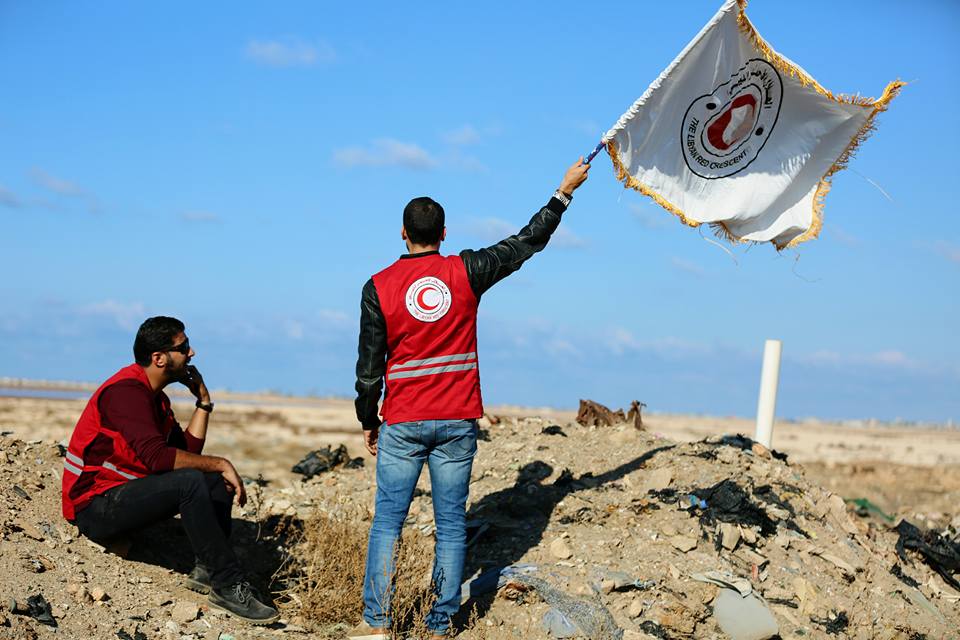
(574, 502)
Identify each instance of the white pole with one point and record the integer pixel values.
(767, 405)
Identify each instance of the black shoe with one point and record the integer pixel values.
(199, 579)
(242, 600)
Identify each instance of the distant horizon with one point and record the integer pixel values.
(78, 389)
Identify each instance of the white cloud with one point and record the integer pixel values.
(9, 198)
(65, 188)
(385, 152)
(649, 219)
(294, 329)
(492, 230)
(565, 238)
(200, 217)
(464, 135)
(290, 52)
(842, 236)
(949, 251)
(127, 316)
(687, 267)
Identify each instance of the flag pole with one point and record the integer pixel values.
(595, 151)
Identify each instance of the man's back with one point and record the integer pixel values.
(430, 314)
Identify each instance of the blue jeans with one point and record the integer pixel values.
(448, 448)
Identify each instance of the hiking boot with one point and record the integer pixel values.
(199, 579)
(364, 631)
(243, 601)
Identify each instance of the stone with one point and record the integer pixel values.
(684, 543)
(184, 611)
(743, 618)
(658, 479)
(729, 535)
(560, 549)
(760, 451)
(81, 595)
(635, 610)
(99, 594)
(748, 535)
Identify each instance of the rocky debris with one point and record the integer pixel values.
(939, 552)
(615, 499)
(326, 459)
(633, 415)
(184, 611)
(560, 549)
(594, 414)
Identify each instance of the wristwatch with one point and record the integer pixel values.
(206, 406)
(562, 197)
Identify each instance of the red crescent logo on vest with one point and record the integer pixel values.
(428, 299)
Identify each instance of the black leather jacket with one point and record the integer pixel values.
(485, 268)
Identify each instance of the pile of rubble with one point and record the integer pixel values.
(604, 531)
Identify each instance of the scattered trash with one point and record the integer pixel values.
(325, 459)
(741, 441)
(865, 508)
(20, 492)
(744, 617)
(666, 496)
(726, 580)
(727, 501)
(607, 581)
(591, 619)
(897, 571)
(633, 415)
(833, 625)
(39, 609)
(651, 628)
(553, 430)
(594, 414)
(557, 625)
(941, 554)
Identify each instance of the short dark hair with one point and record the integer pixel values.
(424, 220)
(155, 334)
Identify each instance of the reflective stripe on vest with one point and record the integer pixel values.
(74, 464)
(469, 362)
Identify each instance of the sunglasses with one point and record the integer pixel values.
(183, 347)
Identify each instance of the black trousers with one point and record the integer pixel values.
(200, 498)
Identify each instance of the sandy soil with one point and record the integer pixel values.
(581, 525)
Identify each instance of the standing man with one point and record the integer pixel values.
(418, 331)
(129, 465)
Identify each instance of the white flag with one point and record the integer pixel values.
(734, 134)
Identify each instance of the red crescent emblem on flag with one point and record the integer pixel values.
(735, 123)
(724, 131)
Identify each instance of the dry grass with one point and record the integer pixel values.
(324, 577)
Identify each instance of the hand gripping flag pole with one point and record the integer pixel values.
(594, 153)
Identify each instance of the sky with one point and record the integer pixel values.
(244, 166)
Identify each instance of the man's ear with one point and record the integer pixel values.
(443, 235)
(403, 233)
(159, 359)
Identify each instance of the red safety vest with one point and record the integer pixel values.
(90, 471)
(430, 312)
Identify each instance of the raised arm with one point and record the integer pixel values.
(486, 267)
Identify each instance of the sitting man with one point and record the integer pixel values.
(129, 465)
